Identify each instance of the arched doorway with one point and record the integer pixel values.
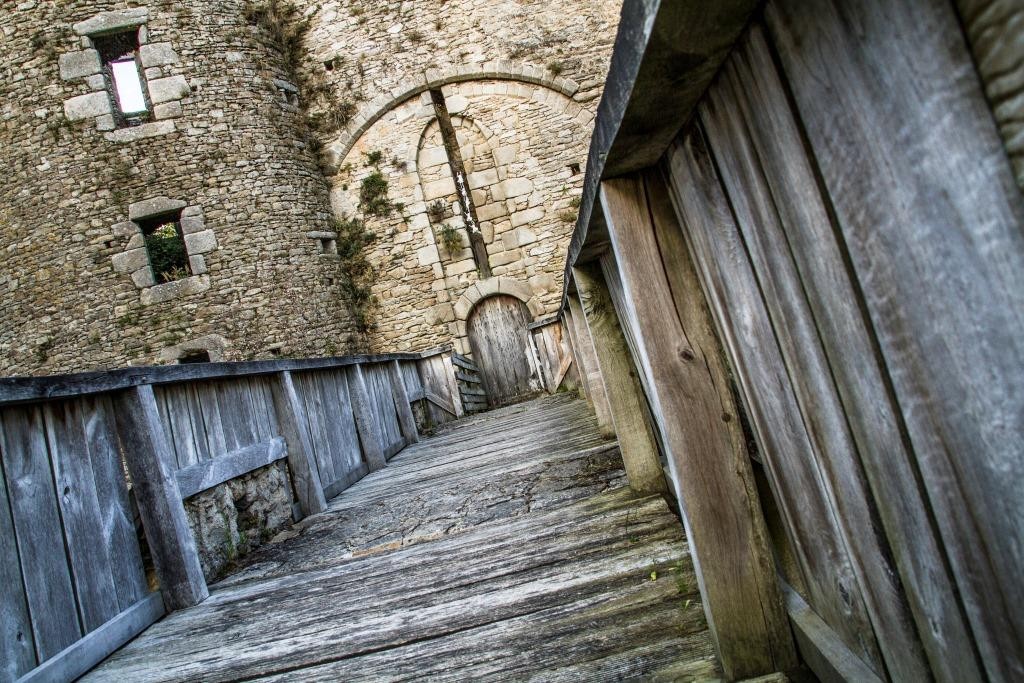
(501, 347)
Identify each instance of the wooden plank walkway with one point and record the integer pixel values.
(506, 548)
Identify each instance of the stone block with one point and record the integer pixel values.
(488, 287)
(143, 277)
(197, 264)
(87, 106)
(194, 224)
(125, 229)
(105, 122)
(441, 313)
(465, 266)
(462, 308)
(506, 257)
(173, 290)
(543, 282)
(488, 212)
(483, 178)
(517, 187)
(146, 130)
(529, 216)
(167, 110)
(515, 288)
(138, 241)
(96, 83)
(109, 22)
(157, 54)
(427, 255)
(154, 206)
(432, 156)
(130, 261)
(505, 155)
(167, 89)
(201, 242)
(79, 64)
(438, 188)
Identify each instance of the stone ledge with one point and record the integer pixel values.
(154, 206)
(172, 290)
(146, 130)
(108, 22)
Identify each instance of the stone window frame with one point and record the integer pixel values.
(134, 259)
(163, 88)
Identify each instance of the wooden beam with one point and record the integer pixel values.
(570, 331)
(369, 433)
(94, 647)
(145, 449)
(718, 496)
(208, 473)
(294, 425)
(590, 369)
(453, 384)
(637, 441)
(406, 420)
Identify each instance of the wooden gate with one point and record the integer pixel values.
(501, 348)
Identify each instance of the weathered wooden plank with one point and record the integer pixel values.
(440, 402)
(292, 420)
(583, 346)
(171, 544)
(826, 655)
(319, 405)
(174, 408)
(213, 428)
(346, 447)
(17, 650)
(745, 329)
(353, 475)
(406, 421)
(118, 527)
(718, 497)
(366, 425)
(463, 362)
(932, 228)
(33, 501)
(75, 481)
(207, 474)
(448, 374)
(791, 221)
(577, 356)
(77, 659)
(625, 396)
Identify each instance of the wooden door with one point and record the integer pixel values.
(501, 348)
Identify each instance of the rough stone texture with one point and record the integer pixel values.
(234, 518)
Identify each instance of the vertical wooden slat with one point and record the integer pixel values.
(570, 331)
(637, 442)
(145, 449)
(406, 420)
(291, 418)
(745, 329)
(310, 388)
(348, 443)
(590, 369)
(719, 500)
(209, 406)
(119, 535)
(80, 514)
(932, 222)
(44, 564)
(366, 425)
(453, 385)
(17, 644)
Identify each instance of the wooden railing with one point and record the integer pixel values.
(72, 583)
(471, 387)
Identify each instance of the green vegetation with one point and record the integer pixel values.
(167, 255)
(373, 195)
(450, 239)
(354, 269)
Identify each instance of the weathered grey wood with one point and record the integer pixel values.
(171, 544)
(933, 230)
(17, 651)
(291, 417)
(207, 474)
(625, 396)
(406, 421)
(570, 333)
(310, 386)
(75, 481)
(118, 534)
(717, 493)
(590, 370)
(439, 401)
(453, 385)
(346, 446)
(77, 659)
(826, 655)
(792, 243)
(746, 331)
(501, 348)
(366, 425)
(209, 411)
(37, 526)
(464, 362)
(335, 488)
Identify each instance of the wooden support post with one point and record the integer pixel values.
(681, 360)
(291, 416)
(637, 442)
(366, 425)
(453, 385)
(145, 449)
(406, 420)
(590, 370)
(570, 331)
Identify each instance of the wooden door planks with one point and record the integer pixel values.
(936, 226)
(723, 517)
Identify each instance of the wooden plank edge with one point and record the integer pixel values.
(336, 487)
(823, 651)
(394, 449)
(208, 473)
(77, 659)
(440, 402)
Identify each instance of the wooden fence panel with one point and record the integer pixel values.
(378, 384)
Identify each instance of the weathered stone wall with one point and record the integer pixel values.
(229, 146)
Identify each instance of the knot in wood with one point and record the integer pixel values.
(687, 355)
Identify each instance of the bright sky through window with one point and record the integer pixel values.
(128, 86)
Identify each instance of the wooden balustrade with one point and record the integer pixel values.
(72, 583)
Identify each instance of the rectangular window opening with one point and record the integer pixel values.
(123, 72)
(165, 245)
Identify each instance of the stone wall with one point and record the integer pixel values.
(227, 143)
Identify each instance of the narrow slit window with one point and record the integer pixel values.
(125, 83)
(195, 357)
(165, 245)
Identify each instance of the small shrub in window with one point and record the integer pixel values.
(166, 247)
